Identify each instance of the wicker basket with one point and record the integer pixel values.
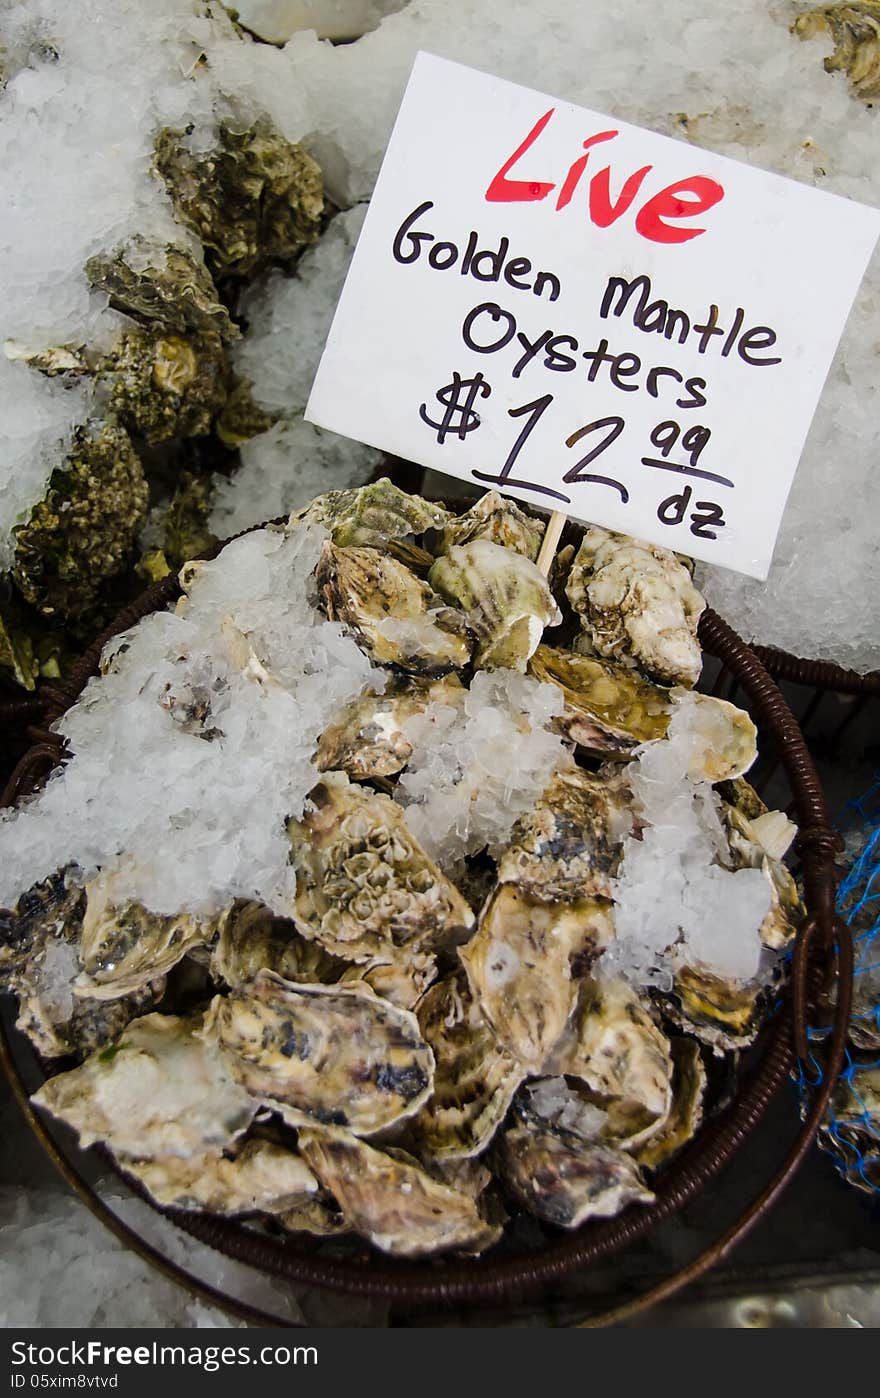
(821, 950)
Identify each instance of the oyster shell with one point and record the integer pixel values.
(723, 1014)
(519, 966)
(164, 386)
(402, 979)
(474, 1077)
(389, 1199)
(724, 741)
(570, 844)
(395, 617)
(686, 1113)
(609, 709)
(507, 600)
(748, 841)
(253, 939)
(332, 1054)
(637, 605)
(157, 283)
(372, 514)
(260, 1178)
(855, 32)
(367, 738)
(39, 962)
(161, 1091)
(613, 1045)
(565, 1181)
(124, 946)
(498, 520)
(364, 885)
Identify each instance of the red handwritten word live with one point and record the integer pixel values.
(685, 198)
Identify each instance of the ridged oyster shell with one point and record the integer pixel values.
(390, 1199)
(367, 739)
(372, 514)
(474, 1078)
(609, 709)
(364, 884)
(637, 605)
(686, 1112)
(507, 600)
(519, 966)
(565, 1181)
(569, 846)
(328, 1054)
(500, 521)
(161, 1091)
(253, 939)
(260, 1178)
(395, 617)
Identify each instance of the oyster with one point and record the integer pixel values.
(565, 1181)
(723, 1014)
(364, 885)
(83, 530)
(259, 1178)
(613, 1045)
(161, 1091)
(367, 738)
(498, 520)
(686, 1113)
(855, 32)
(401, 978)
(555, 1104)
(507, 600)
(50, 360)
(252, 939)
(748, 843)
(241, 417)
(373, 514)
(609, 709)
(390, 1199)
(164, 386)
(724, 741)
(570, 845)
(396, 617)
(519, 966)
(252, 200)
(124, 946)
(182, 524)
(161, 284)
(637, 605)
(474, 1077)
(39, 961)
(332, 1054)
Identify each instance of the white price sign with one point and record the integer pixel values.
(590, 317)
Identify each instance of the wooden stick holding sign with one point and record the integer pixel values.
(549, 544)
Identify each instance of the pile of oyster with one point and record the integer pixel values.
(415, 1054)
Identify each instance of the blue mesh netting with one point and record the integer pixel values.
(851, 1131)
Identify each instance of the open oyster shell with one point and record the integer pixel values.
(474, 1077)
(500, 521)
(565, 1181)
(519, 966)
(161, 1091)
(367, 739)
(328, 1054)
(507, 600)
(390, 1199)
(570, 844)
(372, 514)
(609, 709)
(637, 605)
(260, 1178)
(723, 1014)
(364, 884)
(396, 618)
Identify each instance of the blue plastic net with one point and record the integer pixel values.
(850, 1132)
